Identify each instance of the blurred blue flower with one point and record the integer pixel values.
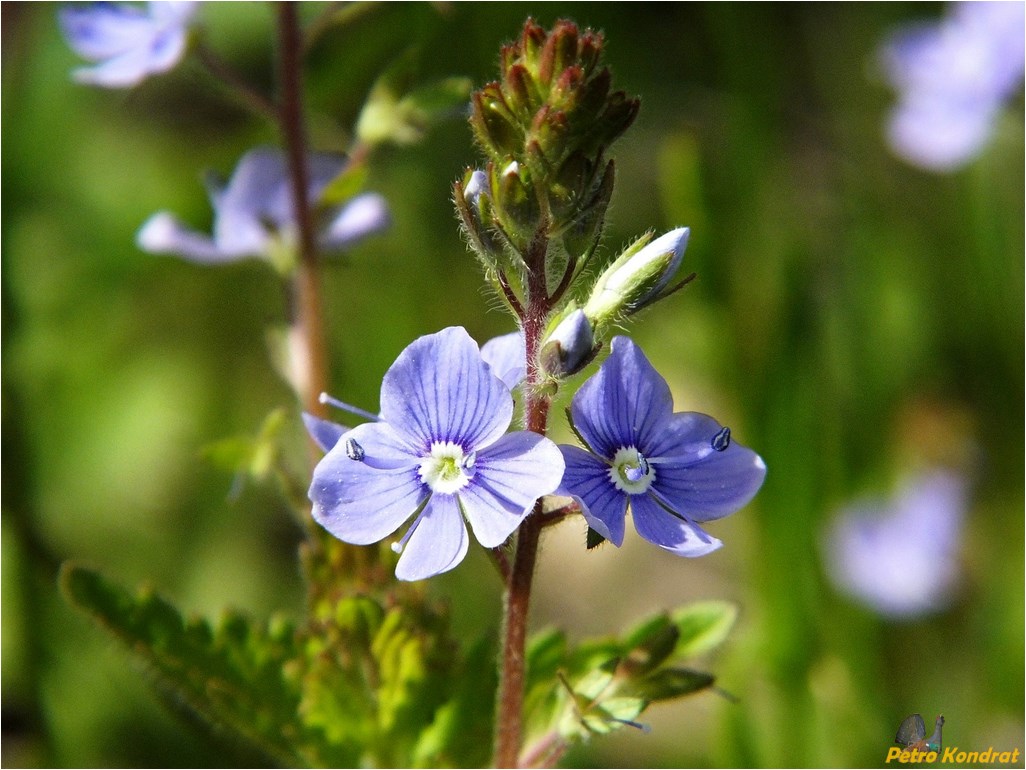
(129, 42)
(952, 79)
(253, 214)
(673, 470)
(900, 557)
(439, 453)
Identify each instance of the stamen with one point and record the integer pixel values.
(469, 461)
(324, 398)
(354, 451)
(398, 547)
(721, 440)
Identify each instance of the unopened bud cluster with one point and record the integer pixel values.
(534, 213)
(544, 127)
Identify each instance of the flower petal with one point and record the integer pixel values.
(586, 480)
(364, 501)
(128, 43)
(439, 389)
(624, 403)
(507, 357)
(324, 432)
(686, 437)
(705, 484)
(256, 195)
(662, 528)
(438, 543)
(362, 216)
(97, 31)
(511, 475)
(162, 233)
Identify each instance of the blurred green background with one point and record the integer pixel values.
(854, 319)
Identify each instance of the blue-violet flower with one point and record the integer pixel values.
(439, 453)
(253, 213)
(952, 78)
(672, 470)
(901, 557)
(128, 42)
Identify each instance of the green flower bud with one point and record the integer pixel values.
(636, 278)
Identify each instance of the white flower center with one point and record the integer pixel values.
(447, 468)
(631, 472)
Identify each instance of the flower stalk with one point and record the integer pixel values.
(510, 699)
(310, 349)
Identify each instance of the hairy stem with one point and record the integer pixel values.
(510, 700)
(310, 357)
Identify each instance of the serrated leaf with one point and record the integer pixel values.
(232, 677)
(702, 626)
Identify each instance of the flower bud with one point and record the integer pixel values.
(570, 346)
(474, 208)
(637, 277)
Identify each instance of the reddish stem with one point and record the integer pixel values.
(512, 674)
(311, 353)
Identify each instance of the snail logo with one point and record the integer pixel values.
(915, 748)
(912, 734)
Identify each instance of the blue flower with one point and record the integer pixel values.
(129, 42)
(253, 214)
(952, 78)
(900, 557)
(672, 470)
(440, 453)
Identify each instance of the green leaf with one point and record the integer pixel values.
(702, 626)
(649, 644)
(438, 98)
(256, 455)
(349, 182)
(669, 683)
(232, 676)
(461, 733)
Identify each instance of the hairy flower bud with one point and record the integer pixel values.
(552, 92)
(570, 346)
(474, 207)
(637, 278)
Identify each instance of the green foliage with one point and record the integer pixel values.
(602, 685)
(360, 685)
(232, 674)
(398, 114)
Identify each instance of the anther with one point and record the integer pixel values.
(354, 451)
(721, 440)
